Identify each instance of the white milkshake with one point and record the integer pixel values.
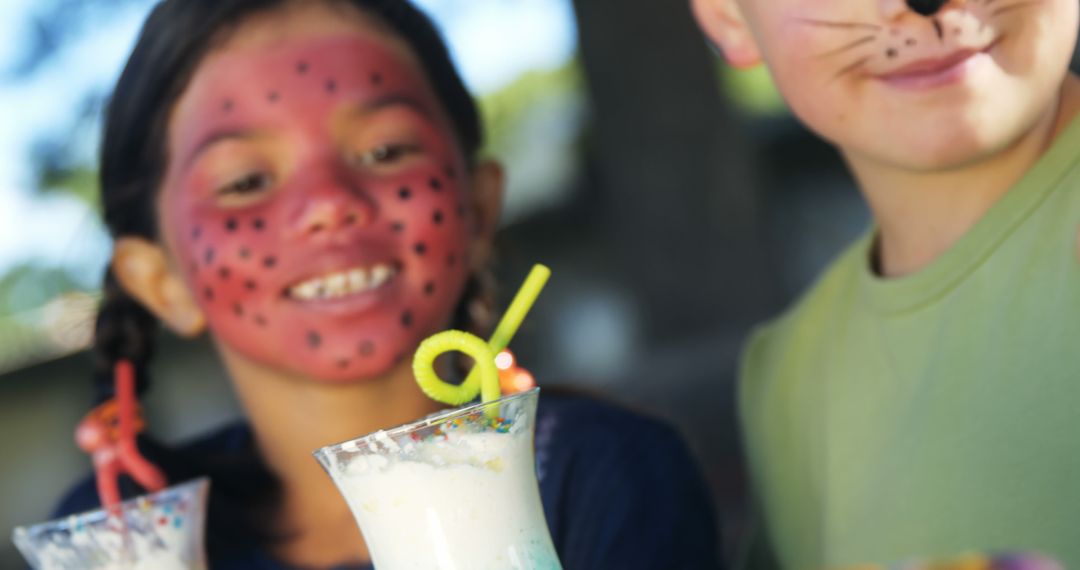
(457, 491)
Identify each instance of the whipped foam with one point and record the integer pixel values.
(163, 531)
(465, 501)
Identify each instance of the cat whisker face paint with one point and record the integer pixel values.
(968, 77)
(308, 196)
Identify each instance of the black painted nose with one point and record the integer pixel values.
(926, 7)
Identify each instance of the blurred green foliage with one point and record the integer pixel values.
(29, 286)
(505, 109)
(79, 181)
(752, 90)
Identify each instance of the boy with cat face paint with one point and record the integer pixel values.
(921, 399)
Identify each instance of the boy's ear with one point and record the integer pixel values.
(488, 186)
(143, 271)
(723, 23)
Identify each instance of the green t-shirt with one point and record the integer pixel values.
(933, 414)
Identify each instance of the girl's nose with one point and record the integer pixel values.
(333, 208)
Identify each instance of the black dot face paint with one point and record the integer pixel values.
(890, 53)
(259, 258)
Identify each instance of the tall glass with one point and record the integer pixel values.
(161, 531)
(454, 491)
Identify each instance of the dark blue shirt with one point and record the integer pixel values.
(620, 491)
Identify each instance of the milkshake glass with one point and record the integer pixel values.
(454, 491)
(161, 531)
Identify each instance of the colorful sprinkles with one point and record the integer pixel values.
(474, 422)
(143, 514)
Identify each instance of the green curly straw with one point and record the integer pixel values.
(483, 379)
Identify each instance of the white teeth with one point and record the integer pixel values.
(306, 290)
(337, 284)
(379, 275)
(342, 283)
(357, 279)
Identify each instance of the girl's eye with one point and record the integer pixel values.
(387, 154)
(248, 184)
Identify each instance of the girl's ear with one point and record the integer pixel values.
(142, 269)
(486, 197)
(723, 23)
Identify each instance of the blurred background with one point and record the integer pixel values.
(676, 201)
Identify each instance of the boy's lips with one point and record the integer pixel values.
(933, 72)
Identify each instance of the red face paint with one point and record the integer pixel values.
(314, 197)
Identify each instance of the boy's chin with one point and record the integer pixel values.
(940, 160)
(933, 154)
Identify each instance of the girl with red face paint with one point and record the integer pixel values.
(300, 179)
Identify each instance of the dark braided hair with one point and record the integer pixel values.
(176, 37)
(123, 330)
